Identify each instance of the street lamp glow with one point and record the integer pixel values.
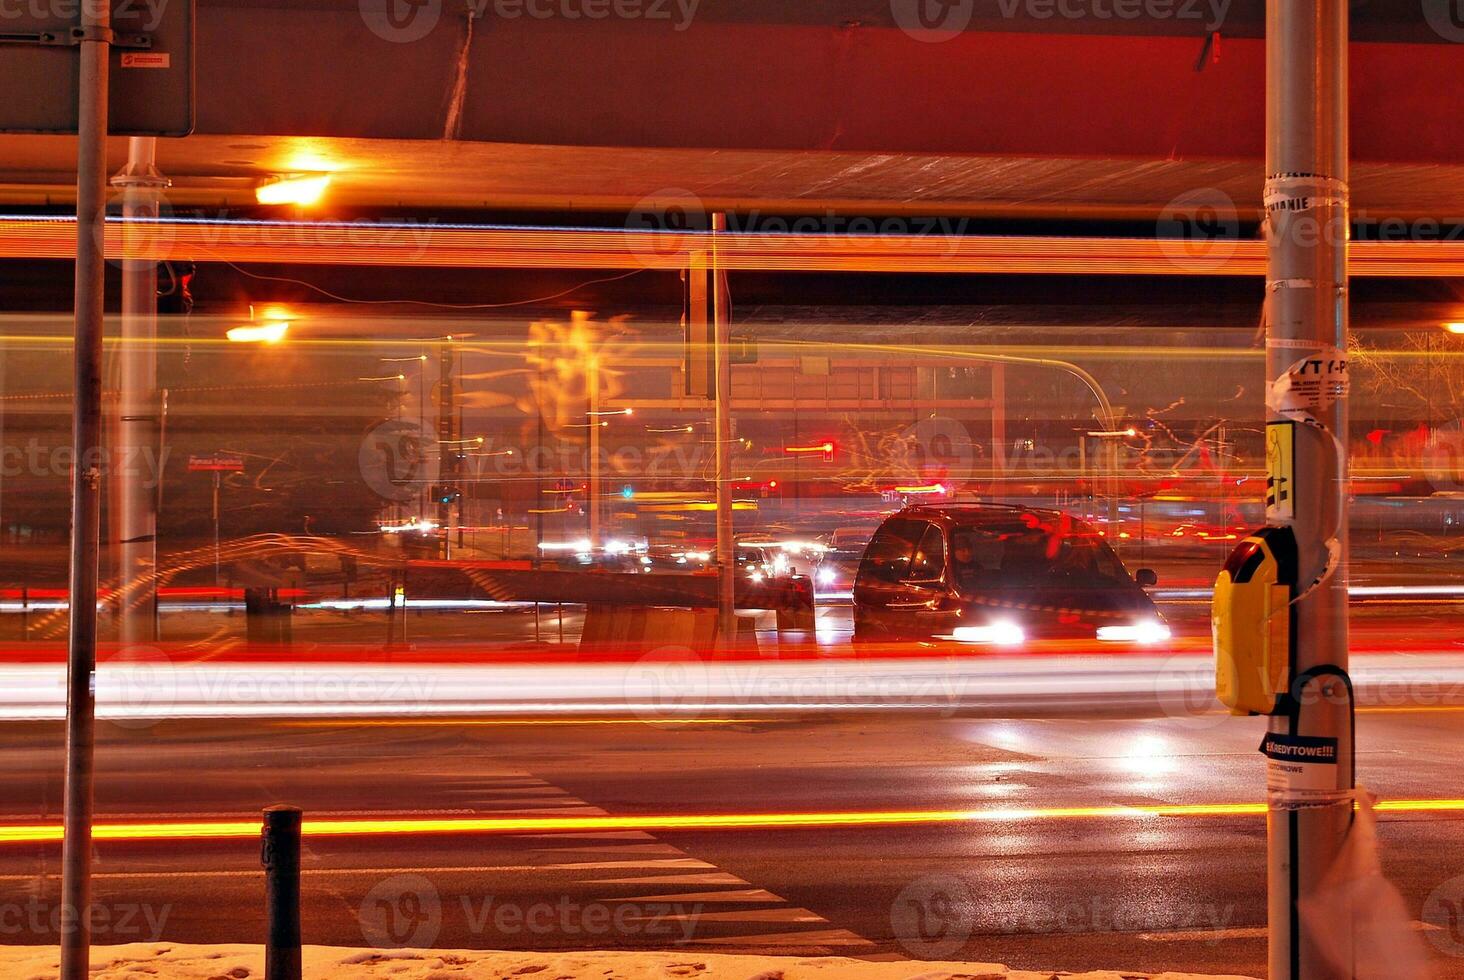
(271, 332)
(1455, 327)
(300, 190)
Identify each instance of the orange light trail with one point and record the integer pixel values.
(385, 244)
(519, 722)
(225, 829)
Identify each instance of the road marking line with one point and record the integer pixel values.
(828, 937)
(687, 862)
(541, 804)
(731, 895)
(655, 848)
(500, 790)
(593, 835)
(787, 914)
(712, 878)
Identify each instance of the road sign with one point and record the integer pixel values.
(215, 463)
(151, 73)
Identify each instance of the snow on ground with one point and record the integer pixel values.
(174, 961)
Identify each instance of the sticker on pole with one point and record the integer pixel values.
(1280, 470)
(1300, 769)
(1310, 385)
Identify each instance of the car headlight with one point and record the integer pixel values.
(1148, 631)
(1005, 634)
(827, 576)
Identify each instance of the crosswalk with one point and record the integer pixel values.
(641, 881)
(539, 890)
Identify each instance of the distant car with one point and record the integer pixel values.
(998, 575)
(839, 563)
(766, 579)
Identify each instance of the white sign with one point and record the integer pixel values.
(1300, 768)
(1310, 386)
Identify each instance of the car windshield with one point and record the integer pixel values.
(1034, 553)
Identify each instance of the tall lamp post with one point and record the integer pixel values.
(139, 406)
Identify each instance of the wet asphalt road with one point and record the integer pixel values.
(1132, 891)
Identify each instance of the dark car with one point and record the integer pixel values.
(988, 573)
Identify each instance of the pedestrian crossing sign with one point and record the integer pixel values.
(1280, 470)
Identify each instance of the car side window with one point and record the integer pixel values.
(887, 559)
(928, 562)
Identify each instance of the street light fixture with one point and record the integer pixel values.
(1455, 327)
(298, 189)
(270, 328)
(269, 332)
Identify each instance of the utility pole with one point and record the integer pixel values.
(1306, 222)
(536, 460)
(139, 403)
(722, 357)
(593, 485)
(95, 37)
(449, 446)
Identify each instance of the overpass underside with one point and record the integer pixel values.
(822, 105)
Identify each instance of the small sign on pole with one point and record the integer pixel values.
(151, 55)
(215, 463)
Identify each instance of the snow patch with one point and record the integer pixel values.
(175, 961)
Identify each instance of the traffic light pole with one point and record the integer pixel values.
(594, 488)
(86, 489)
(722, 359)
(1306, 215)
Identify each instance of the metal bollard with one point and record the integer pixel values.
(280, 855)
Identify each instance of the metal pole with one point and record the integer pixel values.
(217, 479)
(426, 487)
(1083, 475)
(592, 415)
(86, 486)
(1110, 460)
(722, 359)
(998, 420)
(139, 404)
(1306, 209)
(537, 461)
(280, 855)
(449, 446)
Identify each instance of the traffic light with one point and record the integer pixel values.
(446, 495)
(823, 450)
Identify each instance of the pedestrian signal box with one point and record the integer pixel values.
(1253, 622)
